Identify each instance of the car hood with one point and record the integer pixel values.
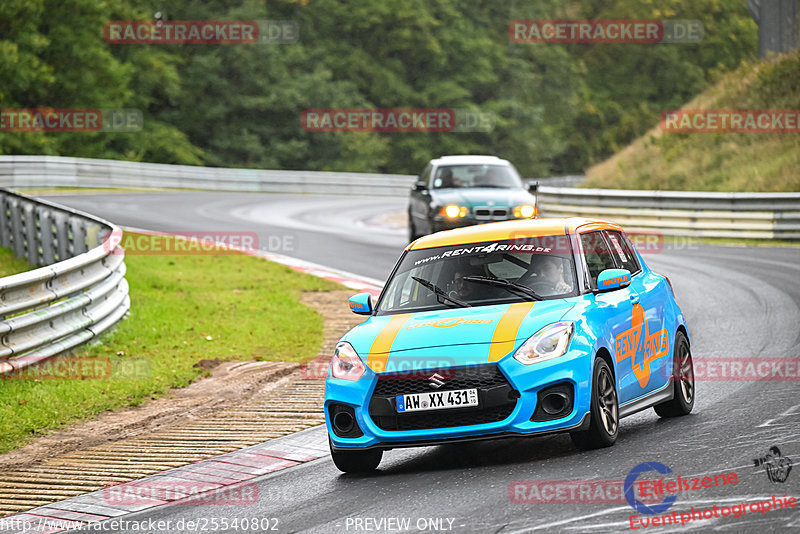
(483, 196)
(457, 336)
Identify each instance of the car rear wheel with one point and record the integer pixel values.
(604, 424)
(356, 461)
(682, 381)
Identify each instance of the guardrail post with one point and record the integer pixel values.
(17, 244)
(47, 238)
(92, 235)
(31, 243)
(61, 222)
(5, 222)
(78, 229)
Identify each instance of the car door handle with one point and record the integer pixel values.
(634, 299)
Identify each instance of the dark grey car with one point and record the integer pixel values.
(455, 191)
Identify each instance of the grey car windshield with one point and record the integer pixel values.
(481, 274)
(458, 176)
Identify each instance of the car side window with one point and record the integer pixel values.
(596, 254)
(622, 251)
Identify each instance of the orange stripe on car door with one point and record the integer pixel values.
(379, 351)
(506, 332)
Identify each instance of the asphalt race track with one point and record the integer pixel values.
(740, 302)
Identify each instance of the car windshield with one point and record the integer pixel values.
(460, 176)
(480, 274)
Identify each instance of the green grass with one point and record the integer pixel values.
(761, 162)
(184, 308)
(10, 265)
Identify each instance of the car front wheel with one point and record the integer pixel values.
(682, 381)
(604, 410)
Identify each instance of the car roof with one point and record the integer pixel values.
(469, 160)
(521, 229)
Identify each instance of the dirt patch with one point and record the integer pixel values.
(208, 364)
(229, 384)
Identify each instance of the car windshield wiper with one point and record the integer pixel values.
(440, 292)
(511, 286)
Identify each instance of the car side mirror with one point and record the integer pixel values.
(533, 187)
(361, 304)
(419, 186)
(612, 279)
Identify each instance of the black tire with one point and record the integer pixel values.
(356, 461)
(682, 381)
(604, 424)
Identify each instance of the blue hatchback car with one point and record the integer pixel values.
(508, 329)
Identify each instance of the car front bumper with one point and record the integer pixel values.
(573, 369)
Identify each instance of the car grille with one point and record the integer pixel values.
(493, 394)
(465, 417)
(485, 214)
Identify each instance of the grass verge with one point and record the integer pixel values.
(10, 265)
(760, 162)
(184, 308)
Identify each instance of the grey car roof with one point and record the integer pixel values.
(469, 160)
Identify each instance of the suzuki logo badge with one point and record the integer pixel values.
(436, 381)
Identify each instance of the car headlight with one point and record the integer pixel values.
(345, 363)
(526, 211)
(453, 211)
(550, 342)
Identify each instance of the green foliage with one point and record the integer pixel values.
(762, 162)
(558, 107)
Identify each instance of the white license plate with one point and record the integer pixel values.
(437, 400)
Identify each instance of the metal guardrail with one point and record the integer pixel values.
(79, 292)
(679, 213)
(682, 213)
(55, 171)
